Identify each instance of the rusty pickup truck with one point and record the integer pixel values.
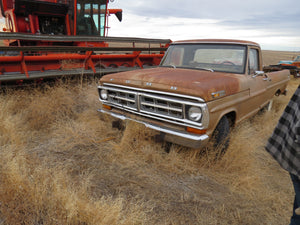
(200, 90)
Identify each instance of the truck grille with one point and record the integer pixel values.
(124, 99)
(160, 106)
(154, 104)
(146, 103)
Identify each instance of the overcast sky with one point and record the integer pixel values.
(274, 24)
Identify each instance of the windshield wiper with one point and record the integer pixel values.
(186, 67)
(200, 68)
(173, 66)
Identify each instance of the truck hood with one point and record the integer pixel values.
(199, 83)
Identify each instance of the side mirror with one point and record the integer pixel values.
(258, 73)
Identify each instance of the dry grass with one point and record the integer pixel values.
(62, 163)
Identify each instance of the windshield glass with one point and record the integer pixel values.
(213, 57)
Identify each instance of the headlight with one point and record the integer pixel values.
(103, 94)
(194, 113)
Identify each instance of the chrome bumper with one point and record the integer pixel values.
(170, 135)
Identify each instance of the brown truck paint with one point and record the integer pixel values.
(197, 84)
(188, 82)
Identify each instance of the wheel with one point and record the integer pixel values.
(220, 136)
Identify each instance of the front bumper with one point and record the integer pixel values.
(173, 135)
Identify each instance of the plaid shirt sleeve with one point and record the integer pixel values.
(284, 143)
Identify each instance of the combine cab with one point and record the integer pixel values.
(48, 38)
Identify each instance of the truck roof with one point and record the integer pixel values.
(216, 41)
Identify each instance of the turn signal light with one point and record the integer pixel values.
(195, 131)
(106, 107)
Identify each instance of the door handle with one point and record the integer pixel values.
(266, 78)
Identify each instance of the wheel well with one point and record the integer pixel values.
(278, 92)
(231, 118)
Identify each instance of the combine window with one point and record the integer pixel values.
(91, 17)
(52, 25)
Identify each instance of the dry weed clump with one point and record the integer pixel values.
(33, 194)
(42, 110)
(138, 143)
(48, 141)
(9, 132)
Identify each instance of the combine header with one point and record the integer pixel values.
(49, 38)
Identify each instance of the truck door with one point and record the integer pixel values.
(257, 83)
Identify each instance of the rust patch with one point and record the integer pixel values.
(196, 83)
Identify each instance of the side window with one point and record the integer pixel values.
(253, 61)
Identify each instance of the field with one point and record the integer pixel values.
(273, 57)
(62, 163)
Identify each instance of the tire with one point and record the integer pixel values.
(221, 136)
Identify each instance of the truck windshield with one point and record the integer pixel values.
(91, 17)
(213, 57)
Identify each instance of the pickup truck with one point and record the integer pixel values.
(199, 91)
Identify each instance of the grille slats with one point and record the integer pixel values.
(146, 103)
(124, 99)
(161, 107)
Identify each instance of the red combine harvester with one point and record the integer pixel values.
(50, 38)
